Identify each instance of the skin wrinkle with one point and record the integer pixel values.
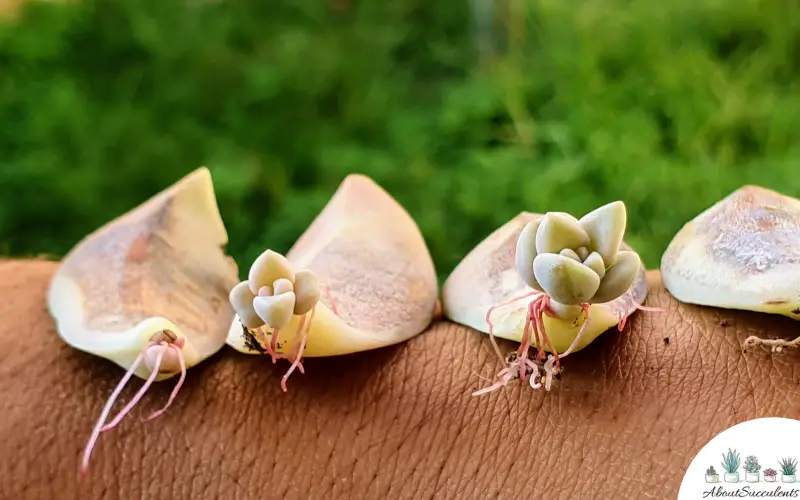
(224, 432)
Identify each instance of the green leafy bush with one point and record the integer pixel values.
(666, 105)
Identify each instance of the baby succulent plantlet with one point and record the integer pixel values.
(359, 278)
(269, 299)
(148, 292)
(570, 264)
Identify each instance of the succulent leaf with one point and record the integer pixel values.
(267, 268)
(618, 278)
(568, 252)
(241, 298)
(277, 310)
(565, 280)
(526, 253)
(282, 286)
(307, 291)
(559, 230)
(606, 227)
(596, 264)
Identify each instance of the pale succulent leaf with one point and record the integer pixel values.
(565, 280)
(559, 230)
(276, 311)
(568, 252)
(595, 262)
(606, 227)
(526, 253)
(282, 286)
(267, 268)
(241, 298)
(619, 277)
(307, 291)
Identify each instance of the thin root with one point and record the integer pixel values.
(296, 362)
(101, 426)
(775, 345)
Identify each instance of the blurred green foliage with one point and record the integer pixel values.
(668, 106)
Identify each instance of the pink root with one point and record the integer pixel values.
(272, 347)
(624, 313)
(328, 295)
(87, 453)
(296, 362)
(142, 391)
(296, 342)
(491, 325)
(177, 387)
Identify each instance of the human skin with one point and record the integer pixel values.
(630, 413)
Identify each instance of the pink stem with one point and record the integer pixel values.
(84, 467)
(300, 352)
(138, 396)
(177, 386)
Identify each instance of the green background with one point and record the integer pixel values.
(557, 105)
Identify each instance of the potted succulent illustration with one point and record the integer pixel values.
(751, 469)
(711, 475)
(770, 475)
(788, 468)
(730, 464)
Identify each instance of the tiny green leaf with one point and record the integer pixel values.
(596, 264)
(568, 252)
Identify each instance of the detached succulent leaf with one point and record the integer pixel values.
(267, 268)
(241, 298)
(526, 253)
(606, 227)
(277, 310)
(596, 264)
(619, 277)
(559, 230)
(307, 291)
(565, 280)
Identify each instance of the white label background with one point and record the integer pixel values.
(769, 439)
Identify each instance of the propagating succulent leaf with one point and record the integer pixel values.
(307, 291)
(596, 264)
(559, 230)
(267, 268)
(605, 227)
(241, 298)
(526, 253)
(565, 280)
(618, 278)
(276, 310)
